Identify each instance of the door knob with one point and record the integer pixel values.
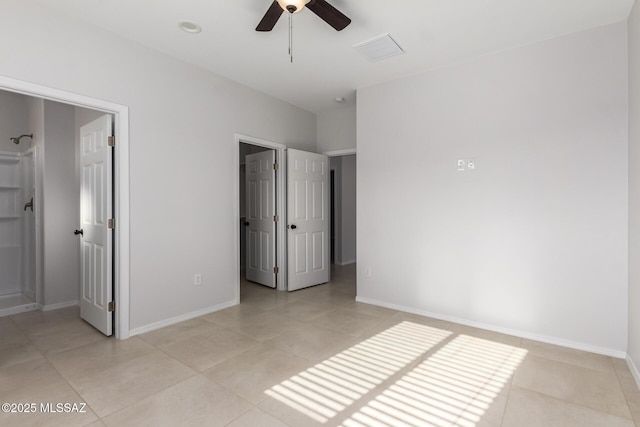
(246, 223)
(80, 232)
(293, 226)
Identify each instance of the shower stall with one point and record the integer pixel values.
(18, 288)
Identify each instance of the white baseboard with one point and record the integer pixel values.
(634, 370)
(19, 309)
(181, 318)
(10, 292)
(352, 261)
(60, 305)
(521, 334)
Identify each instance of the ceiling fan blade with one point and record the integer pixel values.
(329, 14)
(270, 18)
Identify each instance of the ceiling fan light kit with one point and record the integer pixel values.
(292, 6)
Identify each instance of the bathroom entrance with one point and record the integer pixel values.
(45, 256)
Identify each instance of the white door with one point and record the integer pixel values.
(29, 224)
(96, 160)
(260, 181)
(308, 219)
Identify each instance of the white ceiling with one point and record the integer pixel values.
(432, 32)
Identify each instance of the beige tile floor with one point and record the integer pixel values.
(309, 358)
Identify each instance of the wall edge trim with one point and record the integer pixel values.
(618, 354)
(57, 306)
(188, 316)
(634, 370)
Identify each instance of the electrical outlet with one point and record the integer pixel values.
(367, 271)
(197, 279)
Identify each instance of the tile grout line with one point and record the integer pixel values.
(506, 403)
(64, 378)
(625, 394)
(157, 392)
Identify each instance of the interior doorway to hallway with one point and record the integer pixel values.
(343, 208)
(294, 227)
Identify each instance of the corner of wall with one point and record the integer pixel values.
(336, 129)
(634, 370)
(633, 341)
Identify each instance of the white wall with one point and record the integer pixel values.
(634, 189)
(337, 129)
(182, 150)
(61, 206)
(13, 121)
(533, 241)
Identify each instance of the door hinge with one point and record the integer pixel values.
(276, 218)
(111, 223)
(275, 166)
(111, 141)
(112, 306)
(276, 270)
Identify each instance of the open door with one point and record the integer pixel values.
(261, 217)
(308, 219)
(96, 233)
(28, 183)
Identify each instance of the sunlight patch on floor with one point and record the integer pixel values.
(333, 385)
(453, 387)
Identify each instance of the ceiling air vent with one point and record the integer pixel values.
(380, 47)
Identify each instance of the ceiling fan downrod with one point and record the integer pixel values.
(291, 9)
(321, 8)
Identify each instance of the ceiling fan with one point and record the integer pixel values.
(324, 10)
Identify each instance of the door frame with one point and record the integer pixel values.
(120, 114)
(341, 153)
(281, 204)
(338, 153)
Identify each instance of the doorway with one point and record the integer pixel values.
(301, 214)
(244, 145)
(258, 214)
(343, 208)
(121, 193)
(42, 182)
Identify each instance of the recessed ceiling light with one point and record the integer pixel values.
(190, 27)
(339, 100)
